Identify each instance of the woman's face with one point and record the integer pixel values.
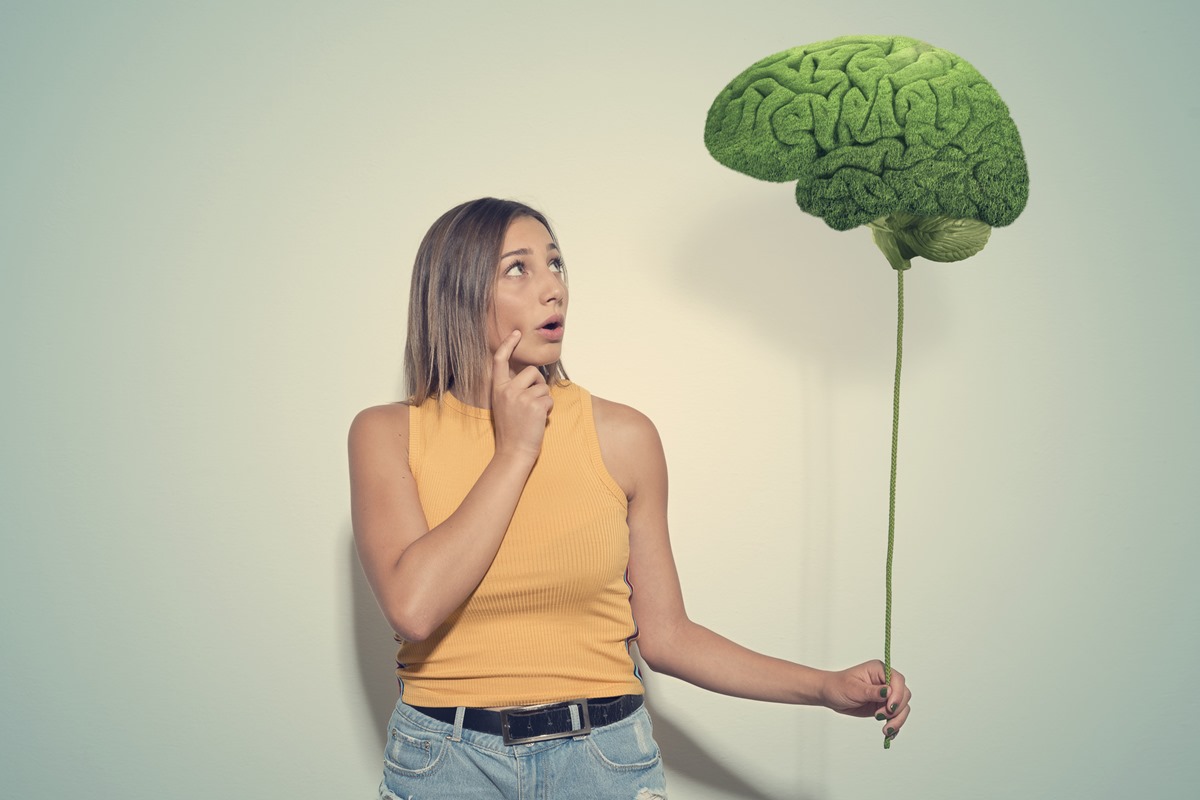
(530, 295)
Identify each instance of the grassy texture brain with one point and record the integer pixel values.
(874, 126)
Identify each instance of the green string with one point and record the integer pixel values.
(887, 620)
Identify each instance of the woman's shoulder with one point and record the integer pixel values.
(622, 424)
(379, 424)
(629, 446)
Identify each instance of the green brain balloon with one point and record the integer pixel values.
(879, 130)
(883, 131)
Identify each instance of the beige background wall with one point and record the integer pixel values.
(207, 216)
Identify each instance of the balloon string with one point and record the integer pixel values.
(887, 620)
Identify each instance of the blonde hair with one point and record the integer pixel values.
(452, 283)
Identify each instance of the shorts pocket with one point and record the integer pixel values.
(409, 754)
(626, 745)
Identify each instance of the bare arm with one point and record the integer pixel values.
(670, 642)
(420, 576)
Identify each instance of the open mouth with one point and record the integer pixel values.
(552, 328)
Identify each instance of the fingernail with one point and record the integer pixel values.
(891, 731)
(880, 717)
(893, 706)
(883, 692)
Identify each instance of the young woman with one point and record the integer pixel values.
(514, 531)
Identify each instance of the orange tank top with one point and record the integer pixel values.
(551, 619)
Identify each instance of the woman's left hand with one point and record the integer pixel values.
(861, 691)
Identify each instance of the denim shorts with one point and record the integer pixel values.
(424, 760)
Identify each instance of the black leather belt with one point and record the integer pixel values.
(526, 724)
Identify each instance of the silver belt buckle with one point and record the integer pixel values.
(584, 729)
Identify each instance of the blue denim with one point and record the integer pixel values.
(425, 760)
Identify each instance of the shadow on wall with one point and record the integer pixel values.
(376, 654)
(374, 647)
(815, 294)
(683, 755)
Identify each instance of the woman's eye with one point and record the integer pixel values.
(557, 265)
(515, 268)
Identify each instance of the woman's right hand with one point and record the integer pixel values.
(521, 403)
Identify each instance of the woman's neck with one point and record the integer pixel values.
(478, 399)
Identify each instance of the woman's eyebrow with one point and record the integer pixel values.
(525, 251)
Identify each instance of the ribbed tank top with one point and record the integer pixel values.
(551, 619)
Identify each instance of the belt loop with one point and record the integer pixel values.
(576, 723)
(459, 714)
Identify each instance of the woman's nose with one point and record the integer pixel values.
(552, 288)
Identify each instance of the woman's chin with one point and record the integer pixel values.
(544, 356)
